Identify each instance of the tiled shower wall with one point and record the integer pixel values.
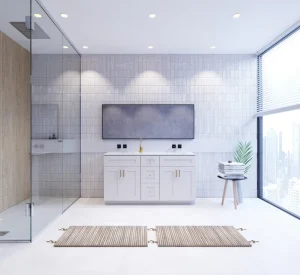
(222, 87)
(56, 110)
(56, 90)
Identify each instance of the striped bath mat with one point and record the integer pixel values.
(104, 236)
(200, 236)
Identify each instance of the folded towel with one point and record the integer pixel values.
(232, 169)
(235, 173)
(231, 163)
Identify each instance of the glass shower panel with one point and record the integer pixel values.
(70, 125)
(46, 115)
(15, 120)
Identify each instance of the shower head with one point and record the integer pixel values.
(26, 27)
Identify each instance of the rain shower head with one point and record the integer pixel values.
(24, 27)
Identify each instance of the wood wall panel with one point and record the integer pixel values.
(15, 116)
(1, 116)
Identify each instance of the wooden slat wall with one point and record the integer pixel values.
(1, 115)
(14, 123)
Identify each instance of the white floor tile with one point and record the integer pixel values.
(277, 252)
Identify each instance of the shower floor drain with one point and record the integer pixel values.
(3, 233)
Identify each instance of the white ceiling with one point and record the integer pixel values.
(181, 26)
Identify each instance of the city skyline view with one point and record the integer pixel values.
(281, 160)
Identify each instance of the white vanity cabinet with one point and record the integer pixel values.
(177, 184)
(122, 179)
(149, 178)
(177, 178)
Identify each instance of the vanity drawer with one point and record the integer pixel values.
(150, 175)
(150, 160)
(123, 161)
(150, 192)
(183, 161)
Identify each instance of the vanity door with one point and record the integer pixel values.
(122, 184)
(112, 178)
(177, 183)
(129, 187)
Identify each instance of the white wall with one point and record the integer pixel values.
(222, 87)
(56, 84)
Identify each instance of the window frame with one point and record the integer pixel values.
(260, 149)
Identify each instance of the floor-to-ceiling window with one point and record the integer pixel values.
(279, 124)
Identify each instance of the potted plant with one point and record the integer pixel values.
(243, 154)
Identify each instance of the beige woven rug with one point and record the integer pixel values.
(104, 236)
(200, 236)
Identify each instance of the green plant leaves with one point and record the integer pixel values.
(244, 154)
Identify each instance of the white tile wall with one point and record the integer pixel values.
(56, 85)
(222, 87)
(44, 120)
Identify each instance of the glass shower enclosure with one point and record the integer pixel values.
(51, 179)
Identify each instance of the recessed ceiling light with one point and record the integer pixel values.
(152, 15)
(37, 15)
(64, 15)
(85, 47)
(236, 16)
(212, 47)
(150, 47)
(65, 47)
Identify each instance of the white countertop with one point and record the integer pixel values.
(150, 154)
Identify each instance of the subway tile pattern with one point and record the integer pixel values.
(56, 85)
(56, 175)
(56, 110)
(44, 122)
(222, 87)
